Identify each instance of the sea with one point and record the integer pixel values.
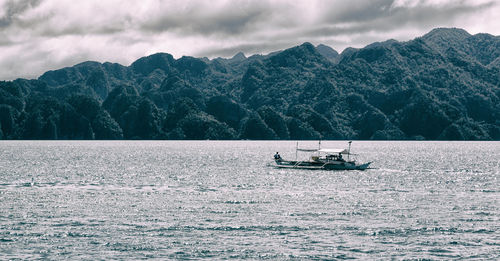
(220, 200)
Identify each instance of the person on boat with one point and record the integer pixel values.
(277, 156)
(340, 157)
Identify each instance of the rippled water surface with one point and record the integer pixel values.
(221, 200)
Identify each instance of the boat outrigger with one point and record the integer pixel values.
(327, 159)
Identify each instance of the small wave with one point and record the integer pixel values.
(390, 170)
(121, 247)
(231, 228)
(206, 190)
(353, 213)
(238, 202)
(76, 234)
(426, 230)
(480, 231)
(31, 184)
(459, 243)
(388, 190)
(357, 250)
(223, 212)
(440, 250)
(85, 186)
(308, 214)
(70, 224)
(22, 223)
(472, 219)
(483, 213)
(484, 190)
(411, 231)
(343, 257)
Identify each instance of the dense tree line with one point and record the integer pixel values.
(444, 85)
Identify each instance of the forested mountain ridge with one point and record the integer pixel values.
(444, 85)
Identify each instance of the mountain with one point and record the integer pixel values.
(328, 52)
(444, 85)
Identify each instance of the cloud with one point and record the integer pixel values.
(10, 9)
(233, 18)
(39, 35)
(391, 17)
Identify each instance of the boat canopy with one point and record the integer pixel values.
(308, 150)
(334, 151)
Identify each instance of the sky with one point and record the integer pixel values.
(41, 35)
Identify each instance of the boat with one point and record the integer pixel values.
(325, 159)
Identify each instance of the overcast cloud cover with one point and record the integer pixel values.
(41, 35)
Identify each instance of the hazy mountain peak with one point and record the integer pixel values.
(443, 38)
(348, 52)
(146, 65)
(239, 57)
(303, 49)
(327, 52)
(291, 57)
(384, 43)
(308, 45)
(448, 31)
(443, 35)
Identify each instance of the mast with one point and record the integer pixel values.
(349, 151)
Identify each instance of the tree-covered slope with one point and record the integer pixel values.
(443, 85)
